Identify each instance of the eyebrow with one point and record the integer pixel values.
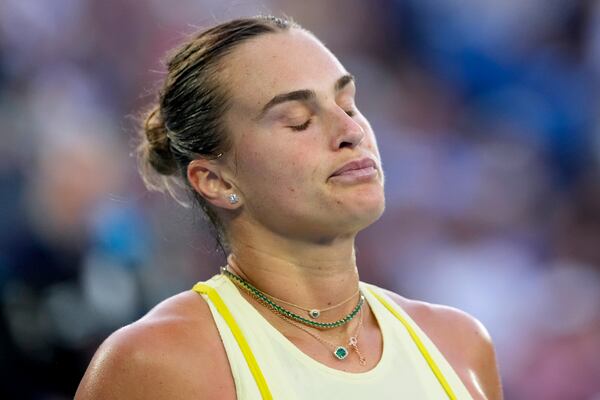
(303, 95)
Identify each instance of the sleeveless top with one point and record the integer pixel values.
(266, 365)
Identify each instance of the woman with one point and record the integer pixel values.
(257, 119)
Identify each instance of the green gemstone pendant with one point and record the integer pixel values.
(340, 352)
(314, 314)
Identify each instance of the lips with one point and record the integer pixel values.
(355, 166)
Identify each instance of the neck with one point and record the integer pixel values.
(308, 274)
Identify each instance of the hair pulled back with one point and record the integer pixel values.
(186, 121)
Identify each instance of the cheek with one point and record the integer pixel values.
(273, 171)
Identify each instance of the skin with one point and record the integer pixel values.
(292, 234)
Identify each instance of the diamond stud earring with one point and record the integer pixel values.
(233, 198)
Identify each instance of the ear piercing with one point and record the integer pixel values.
(233, 198)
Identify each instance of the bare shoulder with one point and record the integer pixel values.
(173, 352)
(463, 340)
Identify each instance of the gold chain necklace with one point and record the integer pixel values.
(261, 297)
(339, 352)
(314, 313)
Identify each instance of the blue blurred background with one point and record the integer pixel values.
(487, 118)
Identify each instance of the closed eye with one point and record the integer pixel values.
(304, 126)
(301, 127)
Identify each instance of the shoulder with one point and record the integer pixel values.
(173, 352)
(463, 340)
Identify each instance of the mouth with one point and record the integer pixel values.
(363, 169)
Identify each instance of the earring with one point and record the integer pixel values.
(233, 198)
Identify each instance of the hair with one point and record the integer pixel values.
(185, 123)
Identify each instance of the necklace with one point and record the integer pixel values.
(339, 352)
(264, 299)
(314, 313)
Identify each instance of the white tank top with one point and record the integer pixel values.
(266, 365)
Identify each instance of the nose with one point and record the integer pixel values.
(348, 132)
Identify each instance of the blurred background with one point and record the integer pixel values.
(486, 112)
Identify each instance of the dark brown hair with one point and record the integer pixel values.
(185, 123)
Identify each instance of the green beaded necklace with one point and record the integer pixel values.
(264, 299)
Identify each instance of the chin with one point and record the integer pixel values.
(374, 214)
(367, 208)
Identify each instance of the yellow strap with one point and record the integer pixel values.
(238, 335)
(255, 369)
(434, 368)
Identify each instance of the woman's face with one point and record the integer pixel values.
(295, 127)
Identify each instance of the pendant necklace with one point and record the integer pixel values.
(314, 313)
(339, 352)
(264, 299)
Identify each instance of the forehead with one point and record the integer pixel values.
(276, 63)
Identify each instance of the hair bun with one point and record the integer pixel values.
(156, 149)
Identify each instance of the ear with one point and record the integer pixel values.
(207, 178)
